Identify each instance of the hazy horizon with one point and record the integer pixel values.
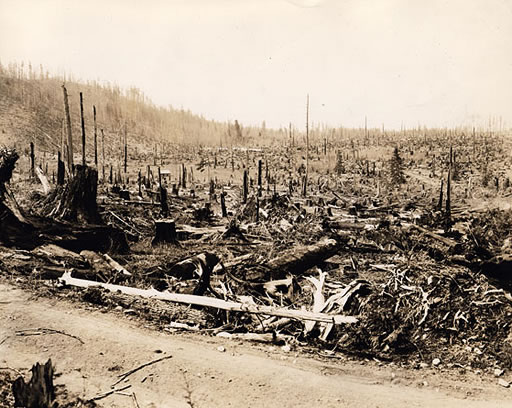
(397, 62)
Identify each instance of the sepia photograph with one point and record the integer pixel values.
(255, 203)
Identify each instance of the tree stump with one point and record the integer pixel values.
(77, 201)
(163, 201)
(39, 392)
(14, 228)
(165, 232)
(124, 194)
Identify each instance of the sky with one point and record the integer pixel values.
(432, 63)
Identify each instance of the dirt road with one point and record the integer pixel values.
(201, 375)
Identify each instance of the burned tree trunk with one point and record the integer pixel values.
(77, 201)
(32, 161)
(223, 204)
(39, 392)
(60, 170)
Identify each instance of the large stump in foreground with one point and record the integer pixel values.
(76, 202)
(13, 225)
(39, 392)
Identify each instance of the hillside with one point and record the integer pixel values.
(32, 109)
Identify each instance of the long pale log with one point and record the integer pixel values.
(116, 265)
(210, 302)
(447, 241)
(43, 180)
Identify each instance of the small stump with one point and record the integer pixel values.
(39, 392)
(165, 232)
(124, 194)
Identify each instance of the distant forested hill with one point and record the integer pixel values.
(32, 109)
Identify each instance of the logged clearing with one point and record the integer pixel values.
(371, 268)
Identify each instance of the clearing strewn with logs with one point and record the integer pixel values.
(389, 246)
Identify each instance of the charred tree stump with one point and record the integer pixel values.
(223, 204)
(245, 191)
(60, 170)
(184, 174)
(32, 161)
(13, 226)
(77, 201)
(165, 232)
(163, 201)
(260, 163)
(440, 203)
(39, 392)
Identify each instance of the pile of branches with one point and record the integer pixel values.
(426, 310)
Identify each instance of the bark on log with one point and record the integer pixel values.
(212, 302)
(297, 260)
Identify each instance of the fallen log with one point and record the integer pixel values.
(211, 302)
(116, 265)
(447, 241)
(343, 225)
(102, 263)
(297, 260)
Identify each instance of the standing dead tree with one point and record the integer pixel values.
(95, 137)
(69, 143)
(82, 121)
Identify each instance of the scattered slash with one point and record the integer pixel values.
(107, 393)
(40, 331)
(123, 376)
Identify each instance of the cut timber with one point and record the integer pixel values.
(102, 263)
(39, 392)
(447, 241)
(297, 260)
(77, 201)
(343, 225)
(165, 232)
(115, 265)
(211, 302)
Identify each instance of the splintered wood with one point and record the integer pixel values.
(67, 279)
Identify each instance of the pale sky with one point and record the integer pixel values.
(438, 63)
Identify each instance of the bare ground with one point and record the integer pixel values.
(200, 375)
